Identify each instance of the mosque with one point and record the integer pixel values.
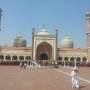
(45, 49)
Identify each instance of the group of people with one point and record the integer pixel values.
(28, 64)
(23, 64)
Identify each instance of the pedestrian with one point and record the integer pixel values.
(20, 64)
(78, 65)
(25, 65)
(39, 65)
(75, 78)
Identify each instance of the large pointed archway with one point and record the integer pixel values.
(44, 51)
(43, 56)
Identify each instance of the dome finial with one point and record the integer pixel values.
(43, 31)
(20, 34)
(43, 28)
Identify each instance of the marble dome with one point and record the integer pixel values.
(43, 32)
(19, 41)
(67, 43)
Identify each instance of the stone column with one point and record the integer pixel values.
(0, 17)
(88, 35)
(33, 31)
(56, 42)
(75, 62)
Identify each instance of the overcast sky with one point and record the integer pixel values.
(19, 16)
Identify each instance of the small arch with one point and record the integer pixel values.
(27, 58)
(84, 59)
(71, 63)
(8, 57)
(1, 57)
(66, 58)
(59, 58)
(78, 59)
(21, 57)
(14, 57)
(72, 58)
(60, 62)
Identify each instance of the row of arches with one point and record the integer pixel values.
(8, 57)
(78, 59)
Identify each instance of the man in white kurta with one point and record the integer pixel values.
(75, 78)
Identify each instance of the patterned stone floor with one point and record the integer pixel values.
(15, 78)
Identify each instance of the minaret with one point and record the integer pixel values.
(56, 42)
(88, 35)
(0, 17)
(33, 32)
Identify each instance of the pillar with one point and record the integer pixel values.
(0, 17)
(88, 35)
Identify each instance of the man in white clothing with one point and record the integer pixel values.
(75, 78)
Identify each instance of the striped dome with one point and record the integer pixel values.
(67, 43)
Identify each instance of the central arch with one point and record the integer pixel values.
(44, 51)
(43, 56)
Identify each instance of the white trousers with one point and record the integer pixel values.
(75, 82)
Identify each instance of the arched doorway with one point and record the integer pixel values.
(8, 57)
(44, 51)
(14, 57)
(27, 58)
(72, 61)
(43, 56)
(1, 57)
(21, 57)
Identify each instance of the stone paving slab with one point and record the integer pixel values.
(15, 78)
(83, 71)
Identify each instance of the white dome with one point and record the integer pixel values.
(67, 43)
(19, 41)
(43, 32)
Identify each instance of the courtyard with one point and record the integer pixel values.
(16, 78)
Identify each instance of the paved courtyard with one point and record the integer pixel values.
(15, 78)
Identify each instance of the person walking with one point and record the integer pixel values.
(75, 78)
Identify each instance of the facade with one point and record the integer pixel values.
(44, 49)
